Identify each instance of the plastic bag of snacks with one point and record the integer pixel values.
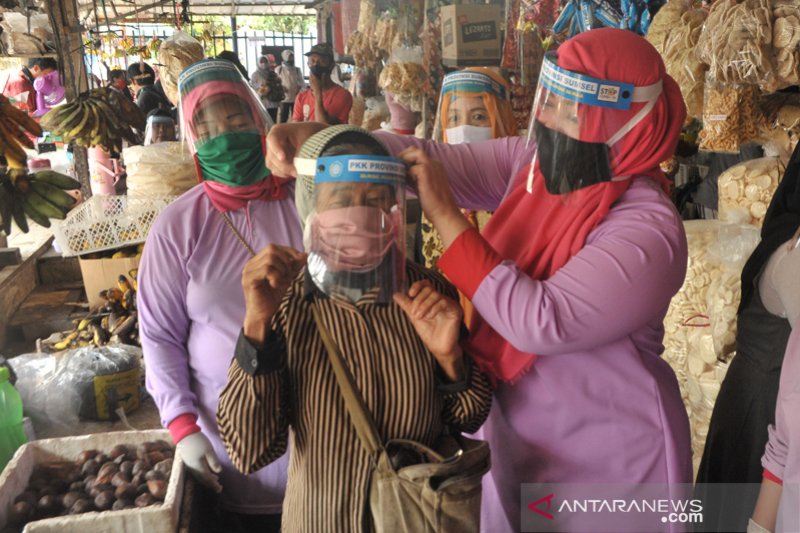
(746, 189)
(688, 309)
(404, 77)
(731, 116)
(785, 38)
(175, 54)
(376, 112)
(736, 43)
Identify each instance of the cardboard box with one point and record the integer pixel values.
(471, 35)
(154, 519)
(102, 274)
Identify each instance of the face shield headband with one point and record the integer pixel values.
(565, 159)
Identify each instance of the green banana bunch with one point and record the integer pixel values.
(38, 197)
(98, 117)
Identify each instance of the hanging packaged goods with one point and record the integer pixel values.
(174, 55)
(731, 116)
(745, 190)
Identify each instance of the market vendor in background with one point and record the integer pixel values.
(118, 79)
(403, 344)
(20, 85)
(292, 80)
(325, 101)
(572, 276)
(190, 290)
(142, 77)
(268, 86)
(745, 406)
(474, 106)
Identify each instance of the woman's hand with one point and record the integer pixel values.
(430, 181)
(265, 279)
(283, 143)
(437, 321)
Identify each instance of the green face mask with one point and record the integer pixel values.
(235, 159)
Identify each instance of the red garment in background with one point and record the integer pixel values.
(336, 101)
(20, 83)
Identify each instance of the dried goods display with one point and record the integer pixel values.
(736, 43)
(404, 77)
(175, 54)
(386, 36)
(731, 116)
(98, 117)
(785, 38)
(745, 190)
(674, 32)
(359, 45)
(780, 129)
(124, 477)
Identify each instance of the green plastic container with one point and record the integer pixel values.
(12, 435)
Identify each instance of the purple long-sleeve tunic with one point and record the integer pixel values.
(599, 405)
(782, 454)
(191, 309)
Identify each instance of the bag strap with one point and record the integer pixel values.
(353, 401)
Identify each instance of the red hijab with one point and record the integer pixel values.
(556, 229)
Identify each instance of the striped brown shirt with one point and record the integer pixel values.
(290, 382)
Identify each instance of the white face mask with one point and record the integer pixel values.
(468, 134)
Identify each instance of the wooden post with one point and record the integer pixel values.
(67, 30)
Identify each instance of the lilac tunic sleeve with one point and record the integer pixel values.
(638, 251)
(480, 173)
(782, 453)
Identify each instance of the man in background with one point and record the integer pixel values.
(292, 80)
(118, 79)
(20, 85)
(325, 101)
(142, 77)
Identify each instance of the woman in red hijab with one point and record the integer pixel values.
(570, 280)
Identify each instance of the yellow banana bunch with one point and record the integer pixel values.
(117, 321)
(15, 125)
(98, 117)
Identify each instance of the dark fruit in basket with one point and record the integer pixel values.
(144, 500)
(107, 472)
(81, 506)
(26, 496)
(90, 467)
(70, 498)
(158, 488)
(118, 451)
(165, 467)
(87, 455)
(77, 486)
(20, 513)
(126, 467)
(122, 504)
(125, 491)
(153, 475)
(138, 479)
(101, 458)
(120, 478)
(88, 482)
(139, 466)
(104, 500)
(49, 505)
(141, 489)
(98, 488)
(47, 490)
(155, 457)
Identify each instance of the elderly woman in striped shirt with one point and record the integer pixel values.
(401, 347)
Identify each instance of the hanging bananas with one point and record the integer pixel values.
(98, 117)
(39, 197)
(15, 125)
(115, 322)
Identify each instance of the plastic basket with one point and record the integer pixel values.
(108, 222)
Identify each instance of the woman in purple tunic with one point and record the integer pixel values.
(573, 275)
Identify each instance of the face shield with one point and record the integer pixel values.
(576, 124)
(355, 236)
(474, 106)
(159, 129)
(223, 123)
